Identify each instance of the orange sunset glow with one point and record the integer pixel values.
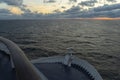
(106, 18)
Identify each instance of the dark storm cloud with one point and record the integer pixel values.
(63, 7)
(49, 1)
(107, 8)
(112, 13)
(57, 11)
(72, 0)
(88, 3)
(103, 11)
(4, 12)
(111, 0)
(74, 9)
(71, 13)
(13, 2)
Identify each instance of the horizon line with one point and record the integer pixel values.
(94, 18)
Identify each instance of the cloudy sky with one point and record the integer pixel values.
(39, 9)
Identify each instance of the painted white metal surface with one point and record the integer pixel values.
(82, 63)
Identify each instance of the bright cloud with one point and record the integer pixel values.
(46, 6)
(15, 10)
(40, 9)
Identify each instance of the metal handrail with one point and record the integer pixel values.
(24, 69)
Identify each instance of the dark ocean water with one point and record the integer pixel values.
(96, 41)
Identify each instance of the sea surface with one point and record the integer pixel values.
(97, 41)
